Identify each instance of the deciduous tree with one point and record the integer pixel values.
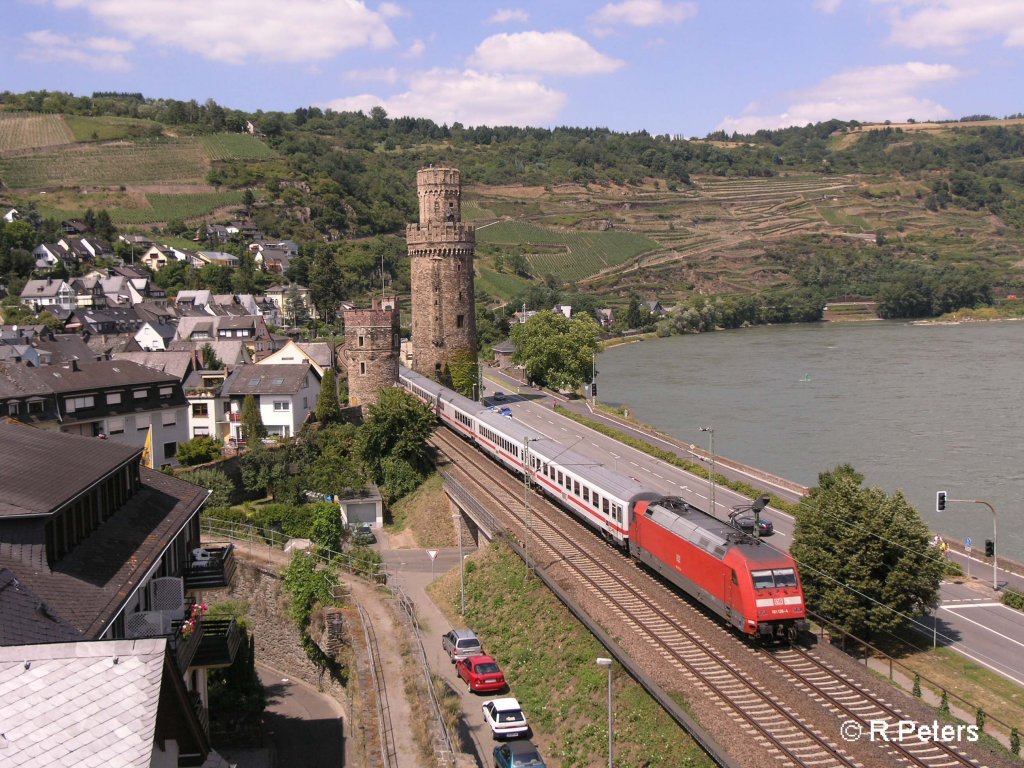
(392, 442)
(864, 557)
(556, 351)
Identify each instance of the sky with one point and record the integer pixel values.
(678, 67)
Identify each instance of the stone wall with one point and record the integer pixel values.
(371, 353)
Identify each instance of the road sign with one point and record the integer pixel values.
(968, 542)
(432, 553)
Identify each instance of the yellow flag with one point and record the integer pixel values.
(147, 450)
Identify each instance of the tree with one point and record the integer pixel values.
(326, 285)
(327, 530)
(215, 481)
(329, 460)
(555, 350)
(295, 306)
(248, 199)
(392, 442)
(199, 450)
(864, 557)
(209, 357)
(253, 429)
(328, 410)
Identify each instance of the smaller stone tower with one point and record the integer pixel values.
(441, 248)
(372, 350)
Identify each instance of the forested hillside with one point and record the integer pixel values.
(919, 219)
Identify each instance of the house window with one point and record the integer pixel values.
(115, 426)
(282, 405)
(80, 403)
(169, 418)
(170, 450)
(200, 410)
(460, 320)
(166, 392)
(200, 431)
(305, 403)
(140, 394)
(12, 409)
(35, 406)
(113, 398)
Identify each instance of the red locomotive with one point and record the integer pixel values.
(753, 586)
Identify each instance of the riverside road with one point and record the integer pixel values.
(970, 619)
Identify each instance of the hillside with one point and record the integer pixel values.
(610, 214)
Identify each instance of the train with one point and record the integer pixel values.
(755, 588)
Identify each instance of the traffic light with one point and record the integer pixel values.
(990, 548)
(940, 501)
(593, 388)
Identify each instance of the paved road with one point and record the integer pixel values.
(303, 725)
(414, 571)
(971, 619)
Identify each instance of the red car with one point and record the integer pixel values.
(481, 674)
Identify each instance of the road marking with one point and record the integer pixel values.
(978, 623)
(657, 475)
(972, 605)
(645, 469)
(636, 465)
(975, 659)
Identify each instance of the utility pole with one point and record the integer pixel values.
(711, 476)
(526, 499)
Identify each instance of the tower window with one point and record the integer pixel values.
(460, 320)
(361, 341)
(362, 369)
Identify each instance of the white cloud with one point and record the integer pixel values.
(827, 6)
(468, 97)
(234, 31)
(506, 15)
(392, 11)
(869, 94)
(955, 23)
(389, 75)
(642, 13)
(101, 53)
(556, 53)
(414, 51)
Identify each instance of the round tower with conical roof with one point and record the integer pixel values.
(441, 249)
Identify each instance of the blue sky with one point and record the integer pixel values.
(684, 67)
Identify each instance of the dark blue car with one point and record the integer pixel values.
(517, 754)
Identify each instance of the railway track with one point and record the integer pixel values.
(650, 610)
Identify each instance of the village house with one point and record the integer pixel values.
(286, 395)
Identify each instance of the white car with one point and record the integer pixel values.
(505, 718)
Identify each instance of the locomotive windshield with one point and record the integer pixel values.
(781, 577)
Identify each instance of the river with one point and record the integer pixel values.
(920, 408)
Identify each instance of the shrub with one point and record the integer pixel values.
(1014, 599)
(199, 450)
(220, 485)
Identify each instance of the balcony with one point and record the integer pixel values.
(219, 645)
(235, 416)
(185, 643)
(215, 567)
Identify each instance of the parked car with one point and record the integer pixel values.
(505, 718)
(481, 673)
(363, 536)
(461, 644)
(746, 524)
(517, 754)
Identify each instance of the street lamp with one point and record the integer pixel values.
(607, 664)
(711, 434)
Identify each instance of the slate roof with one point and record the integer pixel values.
(101, 375)
(64, 347)
(81, 704)
(265, 379)
(229, 351)
(175, 363)
(28, 457)
(24, 618)
(89, 585)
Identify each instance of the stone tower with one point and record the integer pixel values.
(372, 350)
(441, 250)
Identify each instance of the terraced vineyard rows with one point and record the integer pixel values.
(569, 255)
(236, 146)
(180, 206)
(20, 132)
(142, 162)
